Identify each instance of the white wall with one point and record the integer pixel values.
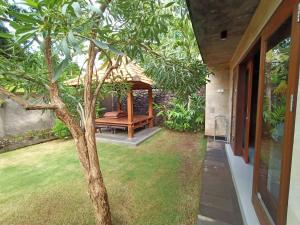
(217, 102)
(1, 123)
(293, 216)
(14, 120)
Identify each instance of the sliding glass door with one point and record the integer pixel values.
(279, 72)
(274, 108)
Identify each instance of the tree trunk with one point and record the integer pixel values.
(88, 156)
(97, 190)
(96, 187)
(85, 139)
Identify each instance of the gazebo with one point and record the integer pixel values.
(133, 74)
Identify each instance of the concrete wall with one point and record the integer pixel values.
(262, 15)
(221, 103)
(1, 123)
(293, 216)
(217, 102)
(14, 120)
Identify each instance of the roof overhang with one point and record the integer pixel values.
(210, 18)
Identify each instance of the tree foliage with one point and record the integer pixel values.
(175, 64)
(178, 116)
(47, 37)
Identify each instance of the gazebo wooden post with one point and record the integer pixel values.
(130, 114)
(119, 104)
(150, 106)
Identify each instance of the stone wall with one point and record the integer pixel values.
(217, 104)
(14, 120)
(140, 104)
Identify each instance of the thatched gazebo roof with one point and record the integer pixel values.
(126, 72)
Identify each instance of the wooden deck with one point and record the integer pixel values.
(122, 122)
(219, 204)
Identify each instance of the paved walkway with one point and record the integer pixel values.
(218, 200)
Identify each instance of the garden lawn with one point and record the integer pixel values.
(156, 183)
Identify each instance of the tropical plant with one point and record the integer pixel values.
(60, 130)
(49, 35)
(178, 116)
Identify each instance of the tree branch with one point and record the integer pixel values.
(106, 75)
(24, 103)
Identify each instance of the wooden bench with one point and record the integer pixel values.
(112, 127)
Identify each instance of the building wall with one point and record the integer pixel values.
(264, 12)
(14, 120)
(293, 216)
(217, 103)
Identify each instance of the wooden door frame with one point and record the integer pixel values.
(238, 70)
(240, 96)
(287, 9)
(249, 74)
(233, 108)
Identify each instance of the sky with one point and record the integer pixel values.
(78, 59)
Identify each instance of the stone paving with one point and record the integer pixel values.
(121, 137)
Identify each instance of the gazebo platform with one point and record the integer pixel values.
(138, 121)
(121, 137)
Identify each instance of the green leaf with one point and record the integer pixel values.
(24, 17)
(169, 4)
(24, 29)
(64, 9)
(116, 51)
(14, 89)
(60, 68)
(25, 36)
(64, 47)
(104, 65)
(50, 3)
(32, 3)
(101, 44)
(15, 25)
(76, 8)
(71, 38)
(5, 35)
(95, 9)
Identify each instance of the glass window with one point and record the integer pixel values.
(274, 107)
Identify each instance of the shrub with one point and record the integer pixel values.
(181, 117)
(60, 130)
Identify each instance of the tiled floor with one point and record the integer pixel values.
(218, 200)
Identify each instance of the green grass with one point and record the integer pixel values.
(157, 183)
